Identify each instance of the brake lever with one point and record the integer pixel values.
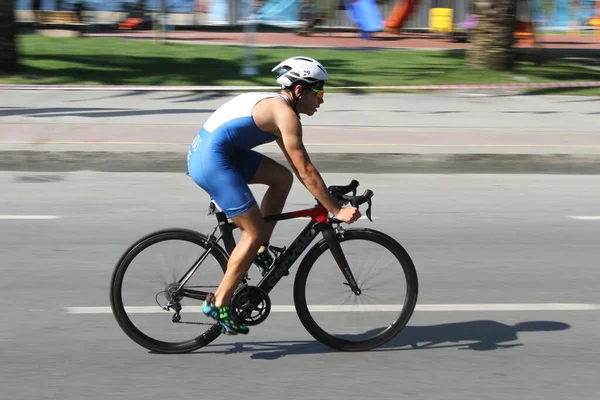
(368, 212)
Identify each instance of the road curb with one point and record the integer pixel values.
(63, 161)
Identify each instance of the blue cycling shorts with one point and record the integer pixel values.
(223, 173)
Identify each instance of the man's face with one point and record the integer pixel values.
(311, 100)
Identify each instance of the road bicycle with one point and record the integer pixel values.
(375, 302)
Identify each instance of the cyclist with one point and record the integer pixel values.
(220, 160)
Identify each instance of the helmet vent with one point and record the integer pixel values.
(282, 70)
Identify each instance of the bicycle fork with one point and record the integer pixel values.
(331, 237)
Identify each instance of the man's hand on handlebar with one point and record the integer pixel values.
(350, 214)
(347, 214)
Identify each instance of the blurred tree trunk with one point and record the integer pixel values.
(8, 47)
(493, 38)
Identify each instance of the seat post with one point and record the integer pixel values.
(226, 229)
(221, 218)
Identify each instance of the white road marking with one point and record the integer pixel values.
(363, 217)
(379, 308)
(29, 217)
(588, 217)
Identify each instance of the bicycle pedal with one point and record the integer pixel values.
(227, 332)
(277, 250)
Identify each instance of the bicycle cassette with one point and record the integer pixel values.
(251, 305)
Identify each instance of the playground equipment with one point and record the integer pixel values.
(595, 20)
(524, 29)
(440, 20)
(137, 16)
(131, 23)
(310, 16)
(280, 13)
(399, 14)
(365, 14)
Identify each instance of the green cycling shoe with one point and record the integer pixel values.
(224, 317)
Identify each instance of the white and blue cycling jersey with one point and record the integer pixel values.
(220, 159)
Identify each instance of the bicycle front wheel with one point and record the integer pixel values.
(144, 294)
(341, 319)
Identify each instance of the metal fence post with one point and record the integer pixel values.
(249, 20)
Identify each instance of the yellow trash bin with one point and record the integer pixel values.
(440, 19)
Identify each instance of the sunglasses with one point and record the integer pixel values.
(320, 93)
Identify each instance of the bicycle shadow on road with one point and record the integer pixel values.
(480, 335)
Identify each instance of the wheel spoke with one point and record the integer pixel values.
(384, 273)
(166, 254)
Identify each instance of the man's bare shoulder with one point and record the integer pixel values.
(274, 105)
(274, 114)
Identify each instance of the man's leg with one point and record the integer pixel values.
(279, 179)
(252, 226)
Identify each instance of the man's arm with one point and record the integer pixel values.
(293, 148)
(287, 157)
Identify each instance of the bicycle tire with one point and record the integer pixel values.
(116, 285)
(338, 343)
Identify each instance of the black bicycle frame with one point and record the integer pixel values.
(285, 261)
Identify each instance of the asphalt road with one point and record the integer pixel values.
(508, 241)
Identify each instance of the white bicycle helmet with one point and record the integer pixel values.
(296, 69)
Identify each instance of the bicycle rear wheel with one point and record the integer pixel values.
(346, 321)
(145, 280)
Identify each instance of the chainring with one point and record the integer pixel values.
(251, 305)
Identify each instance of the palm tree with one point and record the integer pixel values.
(493, 38)
(8, 48)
